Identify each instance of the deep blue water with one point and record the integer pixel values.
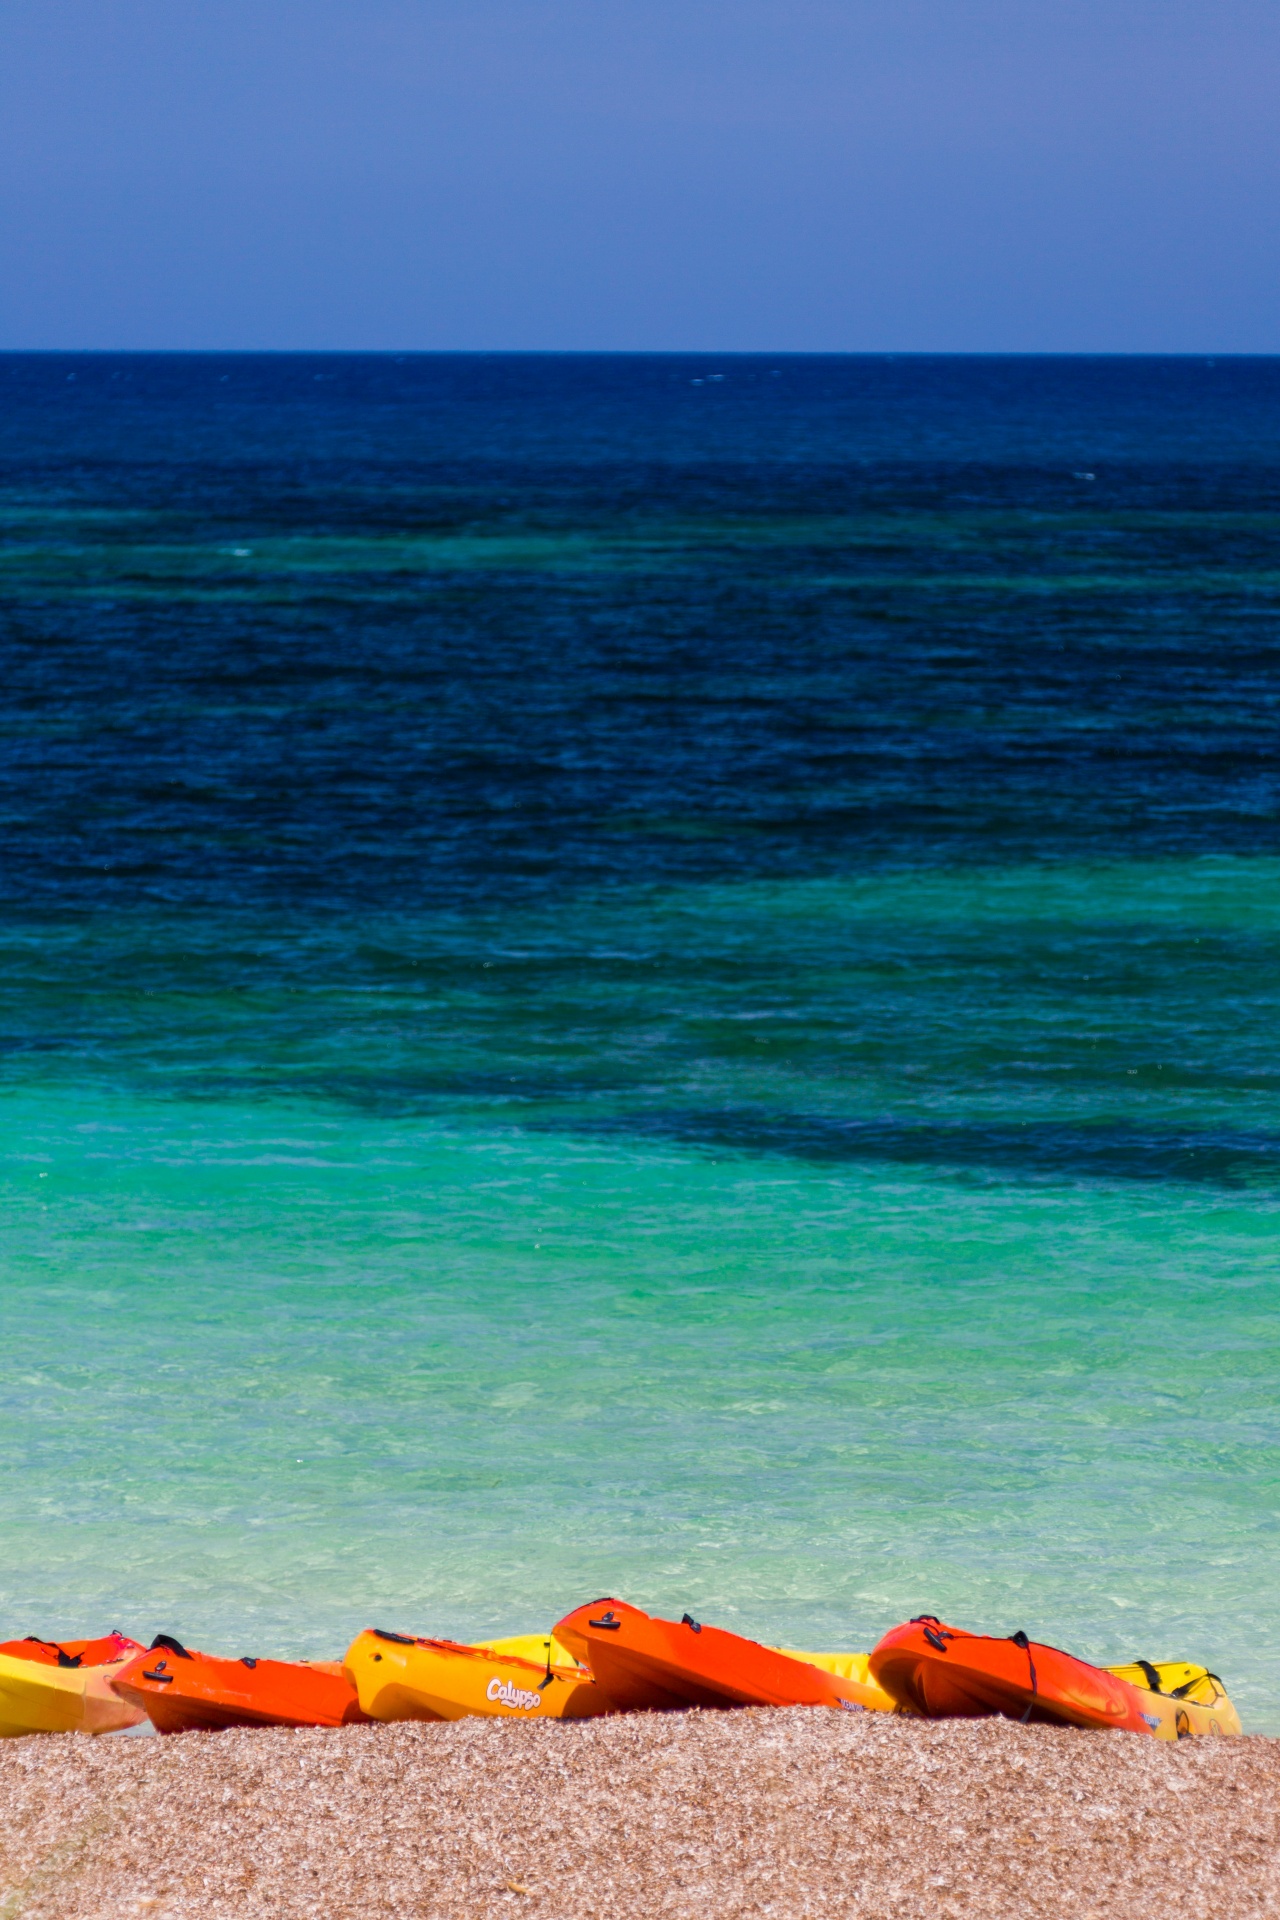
(535, 623)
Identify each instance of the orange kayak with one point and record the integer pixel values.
(181, 1690)
(663, 1665)
(945, 1673)
(72, 1653)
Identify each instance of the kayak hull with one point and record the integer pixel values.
(189, 1692)
(849, 1666)
(944, 1673)
(39, 1697)
(404, 1677)
(649, 1664)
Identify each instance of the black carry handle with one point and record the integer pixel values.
(1020, 1639)
(65, 1659)
(1180, 1693)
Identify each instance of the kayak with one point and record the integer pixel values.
(538, 1647)
(400, 1676)
(666, 1665)
(102, 1652)
(181, 1690)
(849, 1666)
(945, 1673)
(1186, 1701)
(40, 1695)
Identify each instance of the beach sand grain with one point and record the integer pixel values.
(702, 1816)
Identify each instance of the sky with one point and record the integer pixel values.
(720, 175)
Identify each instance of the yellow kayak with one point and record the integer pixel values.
(538, 1647)
(849, 1666)
(1180, 1701)
(36, 1698)
(401, 1677)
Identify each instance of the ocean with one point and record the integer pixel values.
(644, 975)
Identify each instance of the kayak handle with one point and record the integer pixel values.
(1180, 1693)
(1020, 1639)
(608, 1620)
(687, 1620)
(65, 1659)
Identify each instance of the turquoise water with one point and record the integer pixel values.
(276, 1367)
(762, 1113)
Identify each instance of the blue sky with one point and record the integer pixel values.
(967, 175)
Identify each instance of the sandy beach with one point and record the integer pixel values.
(696, 1817)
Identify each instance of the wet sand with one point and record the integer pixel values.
(693, 1816)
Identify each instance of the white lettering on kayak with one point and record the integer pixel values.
(509, 1696)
